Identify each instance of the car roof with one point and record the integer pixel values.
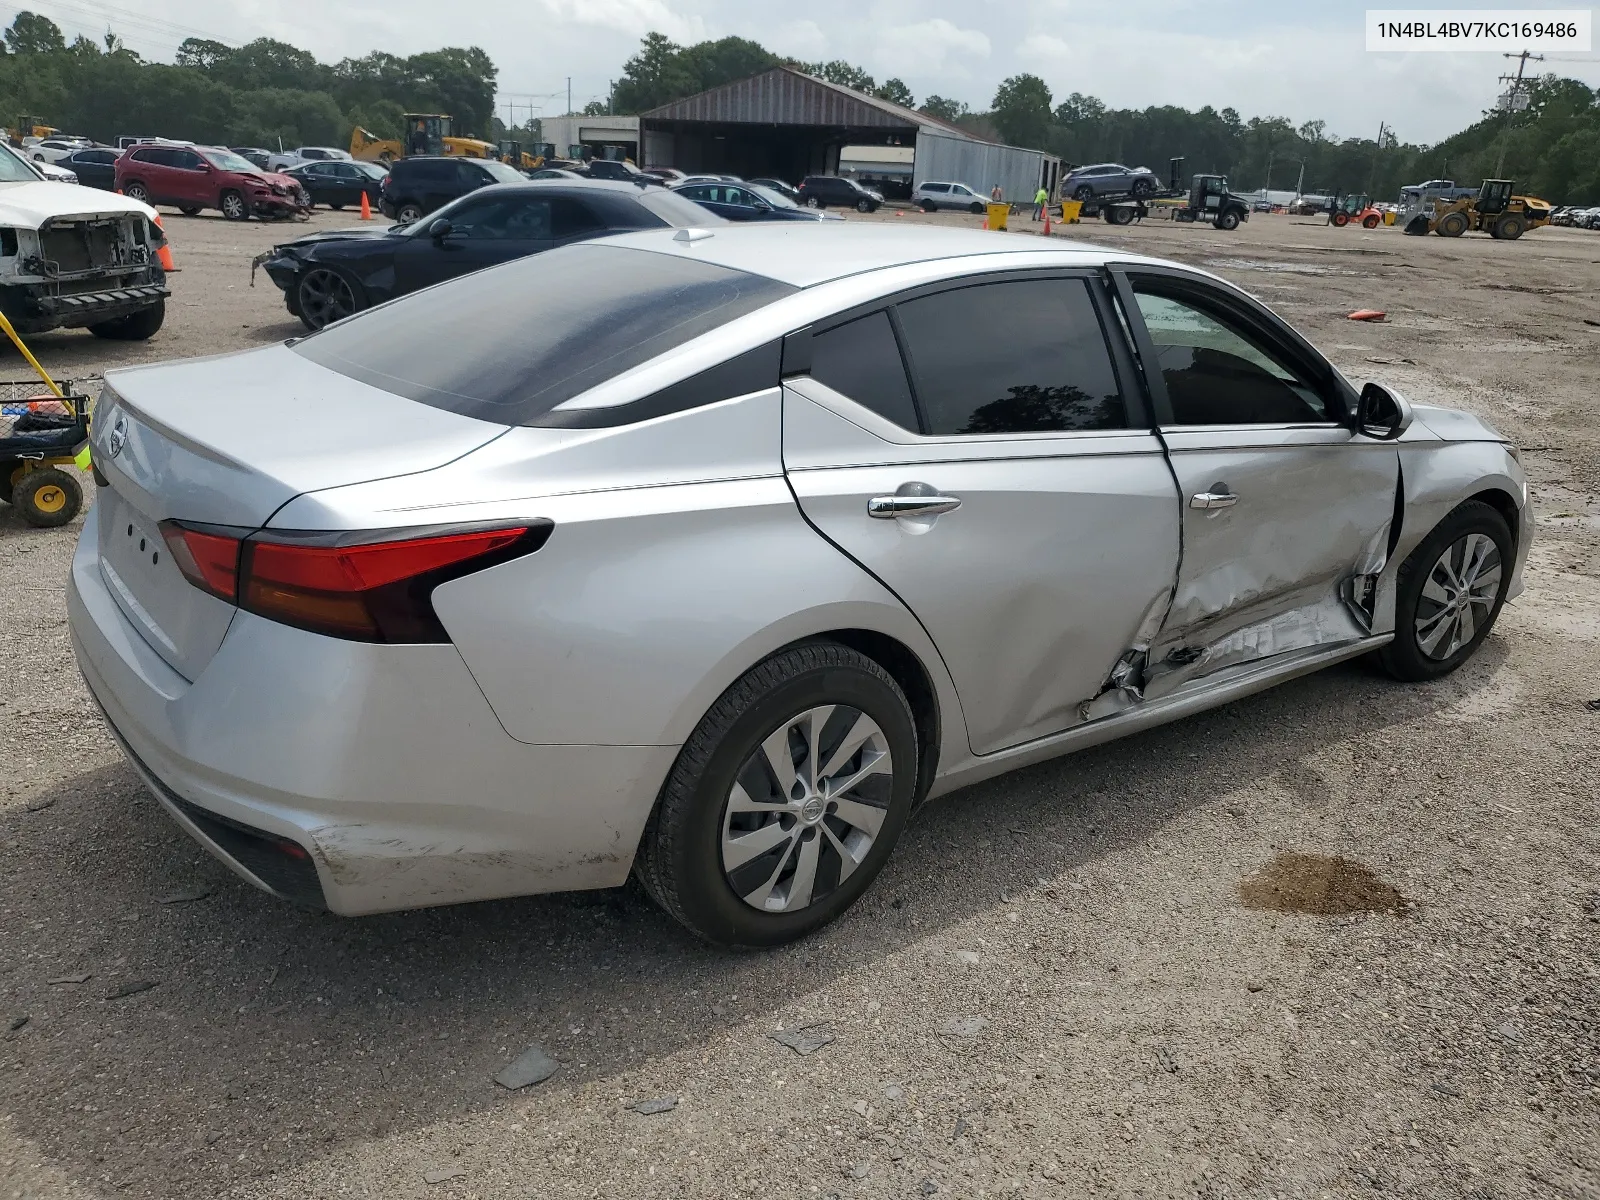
(804, 255)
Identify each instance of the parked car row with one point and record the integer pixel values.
(1576, 217)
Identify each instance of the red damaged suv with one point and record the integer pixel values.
(191, 178)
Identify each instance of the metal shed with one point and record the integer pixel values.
(787, 124)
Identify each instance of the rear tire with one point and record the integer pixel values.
(189, 210)
(339, 207)
(47, 498)
(1341, 219)
(1143, 188)
(689, 860)
(1509, 229)
(137, 191)
(136, 327)
(1116, 214)
(407, 213)
(1083, 193)
(928, 206)
(1468, 553)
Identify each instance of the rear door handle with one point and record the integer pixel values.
(889, 507)
(1217, 499)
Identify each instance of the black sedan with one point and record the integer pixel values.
(748, 202)
(329, 275)
(95, 166)
(337, 183)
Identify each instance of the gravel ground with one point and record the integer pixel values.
(1055, 989)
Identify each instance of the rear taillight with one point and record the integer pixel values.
(369, 591)
(210, 561)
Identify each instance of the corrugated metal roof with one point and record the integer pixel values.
(785, 96)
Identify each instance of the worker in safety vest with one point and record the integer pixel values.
(1041, 198)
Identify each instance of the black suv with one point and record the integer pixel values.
(416, 186)
(821, 191)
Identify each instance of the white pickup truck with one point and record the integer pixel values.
(76, 257)
(293, 158)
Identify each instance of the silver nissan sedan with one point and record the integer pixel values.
(709, 555)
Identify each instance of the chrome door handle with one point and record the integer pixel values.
(1213, 500)
(889, 507)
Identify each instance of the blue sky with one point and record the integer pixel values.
(1302, 61)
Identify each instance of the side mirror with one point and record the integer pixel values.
(440, 229)
(1381, 414)
(763, 206)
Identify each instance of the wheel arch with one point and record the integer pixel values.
(907, 669)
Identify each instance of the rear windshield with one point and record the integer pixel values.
(511, 343)
(677, 210)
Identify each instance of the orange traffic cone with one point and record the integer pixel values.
(366, 206)
(986, 222)
(1047, 222)
(164, 252)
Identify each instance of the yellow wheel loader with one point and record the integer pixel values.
(1495, 210)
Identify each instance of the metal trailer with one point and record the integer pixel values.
(981, 165)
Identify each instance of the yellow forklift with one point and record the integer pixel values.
(1495, 210)
(426, 133)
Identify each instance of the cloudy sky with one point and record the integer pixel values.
(1262, 57)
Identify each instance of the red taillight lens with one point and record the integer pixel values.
(377, 591)
(210, 561)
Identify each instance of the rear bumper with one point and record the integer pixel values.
(383, 764)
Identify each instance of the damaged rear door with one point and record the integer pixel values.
(1286, 510)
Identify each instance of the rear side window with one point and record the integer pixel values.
(509, 344)
(1017, 357)
(573, 218)
(862, 360)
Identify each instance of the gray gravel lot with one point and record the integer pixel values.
(1053, 990)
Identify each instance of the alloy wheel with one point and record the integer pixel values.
(325, 297)
(233, 206)
(806, 807)
(1458, 596)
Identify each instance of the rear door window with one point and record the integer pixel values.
(862, 360)
(571, 218)
(1023, 356)
(532, 334)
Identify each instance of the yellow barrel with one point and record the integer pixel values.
(1388, 217)
(998, 214)
(1070, 210)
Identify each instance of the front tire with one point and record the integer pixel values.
(1449, 592)
(323, 296)
(135, 327)
(865, 206)
(1369, 222)
(1228, 220)
(786, 800)
(233, 206)
(189, 210)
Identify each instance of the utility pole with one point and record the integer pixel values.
(1268, 187)
(1372, 175)
(1300, 184)
(569, 95)
(1510, 98)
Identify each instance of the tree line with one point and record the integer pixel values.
(1552, 149)
(251, 95)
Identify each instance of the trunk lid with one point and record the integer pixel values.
(229, 441)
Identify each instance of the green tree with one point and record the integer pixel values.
(945, 110)
(896, 92)
(31, 33)
(655, 76)
(203, 54)
(1022, 111)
